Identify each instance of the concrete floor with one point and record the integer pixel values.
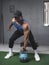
(16, 48)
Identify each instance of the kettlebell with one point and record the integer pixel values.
(23, 56)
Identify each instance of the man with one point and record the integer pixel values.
(22, 29)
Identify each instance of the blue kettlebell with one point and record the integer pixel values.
(23, 56)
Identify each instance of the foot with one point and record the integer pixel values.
(8, 55)
(37, 58)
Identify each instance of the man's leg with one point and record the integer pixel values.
(34, 46)
(15, 35)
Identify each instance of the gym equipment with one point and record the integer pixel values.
(23, 56)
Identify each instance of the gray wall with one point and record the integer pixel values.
(0, 20)
(1, 23)
(32, 11)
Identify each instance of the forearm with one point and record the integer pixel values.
(10, 26)
(26, 35)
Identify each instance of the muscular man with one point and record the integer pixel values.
(22, 29)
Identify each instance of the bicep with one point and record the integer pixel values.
(12, 21)
(25, 26)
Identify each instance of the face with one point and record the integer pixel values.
(19, 19)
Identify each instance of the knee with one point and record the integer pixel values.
(11, 40)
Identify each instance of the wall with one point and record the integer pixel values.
(1, 23)
(32, 11)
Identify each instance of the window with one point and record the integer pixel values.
(46, 13)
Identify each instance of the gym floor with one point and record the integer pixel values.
(43, 51)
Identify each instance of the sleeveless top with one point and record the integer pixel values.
(19, 27)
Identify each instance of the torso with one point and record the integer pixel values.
(19, 26)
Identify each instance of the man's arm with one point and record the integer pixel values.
(26, 34)
(11, 24)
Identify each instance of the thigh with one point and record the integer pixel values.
(16, 35)
(31, 37)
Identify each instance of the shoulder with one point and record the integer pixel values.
(12, 20)
(25, 24)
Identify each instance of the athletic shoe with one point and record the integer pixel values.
(37, 58)
(8, 55)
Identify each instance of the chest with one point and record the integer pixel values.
(18, 25)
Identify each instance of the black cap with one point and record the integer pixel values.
(17, 13)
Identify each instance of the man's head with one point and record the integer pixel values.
(18, 15)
